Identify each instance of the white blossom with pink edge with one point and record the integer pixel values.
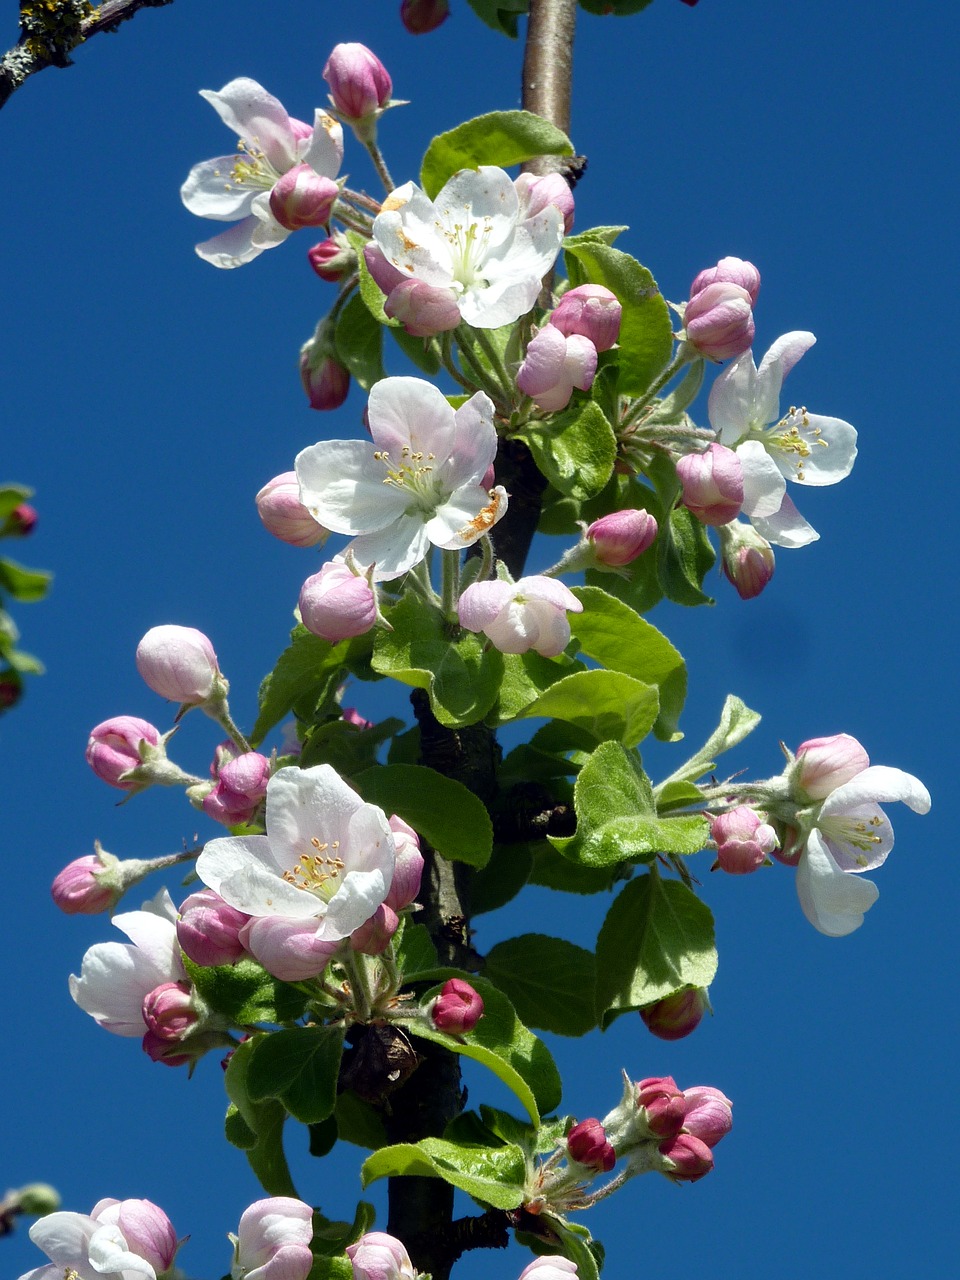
(117, 1240)
(417, 483)
(116, 977)
(474, 239)
(519, 616)
(273, 1241)
(744, 409)
(237, 188)
(325, 864)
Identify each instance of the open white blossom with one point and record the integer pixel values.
(744, 409)
(417, 483)
(237, 188)
(473, 239)
(117, 1240)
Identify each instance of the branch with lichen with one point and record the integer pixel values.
(50, 30)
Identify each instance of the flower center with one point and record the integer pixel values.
(414, 473)
(251, 168)
(468, 251)
(858, 833)
(793, 434)
(317, 873)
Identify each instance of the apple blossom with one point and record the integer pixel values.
(536, 191)
(378, 1256)
(323, 868)
(519, 616)
(743, 840)
(553, 365)
(718, 321)
(325, 379)
(79, 890)
(823, 764)
(472, 239)
(208, 929)
(416, 484)
(421, 308)
(285, 516)
(119, 1239)
(373, 936)
(729, 271)
(241, 786)
(337, 603)
(660, 1106)
(712, 484)
(333, 259)
(551, 1268)
(408, 869)
(621, 536)
(747, 560)
(360, 85)
(744, 409)
(179, 663)
(113, 749)
(20, 522)
(302, 198)
(239, 188)
(591, 310)
(458, 1008)
(708, 1115)
(273, 1241)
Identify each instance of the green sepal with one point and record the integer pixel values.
(245, 994)
(575, 449)
(606, 704)
(494, 1175)
(500, 138)
(549, 981)
(337, 1267)
(358, 339)
(444, 811)
(656, 939)
(256, 1127)
(298, 1067)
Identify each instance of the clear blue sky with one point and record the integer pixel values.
(148, 396)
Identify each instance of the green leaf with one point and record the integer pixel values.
(332, 1237)
(500, 138)
(11, 496)
(549, 981)
(359, 1122)
(525, 677)
(24, 584)
(575, 449)
(685, 555)
(338, 1267)
(500, 14)
(646, 334)
(442, 810)
(607, 704)
(493, 1175)
(594, 235)
(346, 746)
(299, 1068)
(501, 879)
(736, 721)
(245, 994)
(414, 950)
(462, 675)
(553, 871)
(359, 341)
(323, 1137)
(504, 1046)
(678, 795)
(310, 666)
(618, 638)
(423, 352)
(657, 938)
(256, 1127)
(620, 8)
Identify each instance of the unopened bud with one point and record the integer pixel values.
(535, 192)
(285, 516)
(37, 1199)
(241, 787)
(178, 663)
(326, 381)
(712, 484)
(408, 868)
(337, 604)
(421, 16)
(378, 1256)
(303, 198)
(747, 559)
(709, 1114)
(676, 1016)
(660, 1105)
(373, 936)
(21, 521)
(587, 1144)
(333, 259)
(80, 889)
(823, 764)
(743, 840)
(168, 1011)
(591, 310)
(385, 275)
(685, 1158)
(423, 309)
(458, 1008)
(620, 537)
(113, 749)
(729, 271)
(719, 321)
(208, 930)
(553, 365)
(360, 84)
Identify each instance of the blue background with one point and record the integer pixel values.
(148, 396)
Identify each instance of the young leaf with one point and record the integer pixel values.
(500, 14)
(493, 1175)
(736, 721)
(685, 555)
(261, 1121)
(501, 138)
(245, 993)
(549, 982)
(299, 1068)
(24, 584)
(442, 810)
(575, 449)
(607, 704)
(309, 666)
(359, 342)
(525, 677)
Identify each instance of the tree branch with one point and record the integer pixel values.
(49, 35)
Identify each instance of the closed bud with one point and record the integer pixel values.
(303, 198)
(553, 365)
(719, 321)
(422, 309)
(729, 271)
(80, 888)
(11, 689)
(535, 192)
(19, 522)
(676, 1016)
(241, 787)
(373, 936)
(823, 764)
(709, 1114)
(587, 1145)
(333, 259)
(378, 1256)
(747, 559)
(421, 16)
(337, 604)
(285, 516)
(591, 310)
(408, 868)
(169, 1012)
(685, 1158)
(712, 484)
(146, 1230)
(360, 84)
(620, 537)
(458, 1008)
(325, 380)
(660, 1105)
(552, 1268)
(209, 930)
(113, 749)
(743, 840)
(178, 663)
(37, 1199)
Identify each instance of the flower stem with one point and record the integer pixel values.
(380, 164)
(450, 584)
(683, 356)
(482, 377)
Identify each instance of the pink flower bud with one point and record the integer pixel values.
(719, 321)
(78, 889)
(729, 271)
(554, 365)
(587, 1145)
(408, 868)
(536, 192)
(458, 1008)
(823, 764)
(337, 604)
(377, 1256)
(661, 1105)
(517, 617)
(359, 82)
(178, 663)
(333, 259)
(21, 521)
(747, 559)
(168, 1011)
(421, 16)
(676, 1016)
(590, 310)
(352, 716)
(113, 748)
(553, 1268)
(209, 930)
(422, 309)
(620, 537)
(241, 786)
(147, 1230)
(302, 198)
(742, 839)
(283, 514)
(709, 1115)
(373, 936)
(712, 484)
(288, 949)
(385, 275)
(686, 1158)
(326, 381)
(273, 1240)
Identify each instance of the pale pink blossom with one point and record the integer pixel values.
(743, 840)
(118, 1239)
(208, 929)
(730, 271)
(423, 309)
(712, 484)
(591, 310)
(285, 516)
(179, 663)
(823, 764)
(708, 1115)
(554, 365)
(718, 321)
(555, 1267)
(273, 1241)
(519, 616)
(337, 603)
(536, 191)
(378, 1256)
(620, 537)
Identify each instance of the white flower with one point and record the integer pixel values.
(852, 834)
(744, 410)
(519, 616)
(473, 239)
(327, 859)
(273, 1241)
(116, 977)
(270, 144)
(118, 1240)
(418, 483)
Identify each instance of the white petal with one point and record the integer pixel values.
(232, 248)
(407, 233)
(244, 871)
(763, 485)
(488, 305)
(64, 1237)
(774, 367)
(550, 591)
(393, 550)
(353, 904)
(787, 528)
(413, 414)
(304, 805)
(516, 629)
(470, 513)
(474, 445)
(323, 152)
(342, 486)
(155, 937)
(114, 979)
(860, 839)
(832, 901)
(110, 1255)
(881, 785)
(485, 195)
(258, 117)
(209, 192)
(482, 602)
(833, 450)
